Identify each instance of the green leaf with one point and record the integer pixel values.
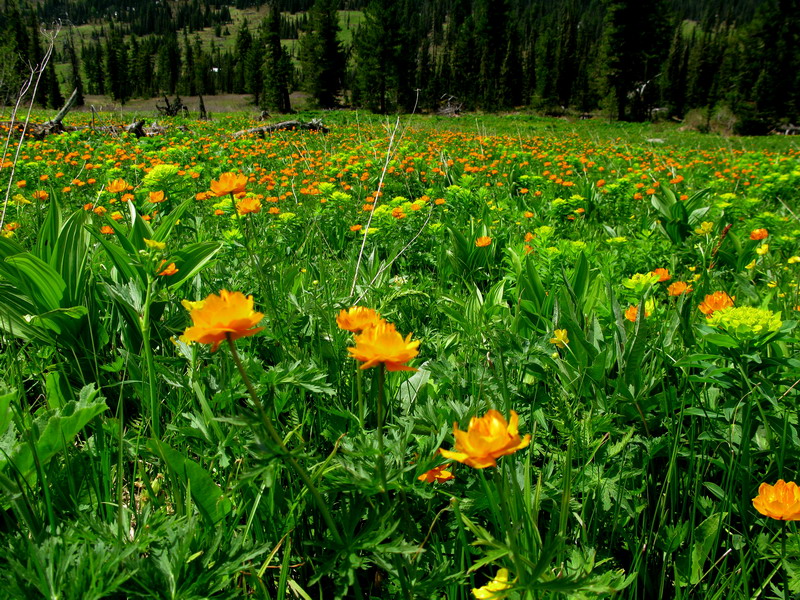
(58, 432)
(39, 281)
(190, 260)
(69, 257)
(212, 504)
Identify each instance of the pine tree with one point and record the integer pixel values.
(277, 66)
(321, 55)
(635, 44)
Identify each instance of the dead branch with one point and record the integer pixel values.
(313, 125)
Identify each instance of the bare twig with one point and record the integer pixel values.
(34, 78)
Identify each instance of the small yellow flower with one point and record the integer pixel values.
(762, 249)
(154, 245)
(560, 338)
(705, 228)
(751, 265)
(495, 588)
(793, 260)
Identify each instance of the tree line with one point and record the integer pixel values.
(629, 58)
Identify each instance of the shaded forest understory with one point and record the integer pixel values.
(633, 60)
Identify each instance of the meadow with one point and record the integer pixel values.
(488, 357)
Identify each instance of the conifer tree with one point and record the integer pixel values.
(277, 65)
(321, 56)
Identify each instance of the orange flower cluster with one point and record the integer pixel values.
(715, 301)
(483, 241)
(377, 341)
(758, 234)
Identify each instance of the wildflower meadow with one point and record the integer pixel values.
(417, 357)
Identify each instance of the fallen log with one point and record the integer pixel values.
(313, 125)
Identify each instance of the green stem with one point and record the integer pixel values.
(152, 400)
(287, 456)
(360, 394)
(783, 562)
(381, 455)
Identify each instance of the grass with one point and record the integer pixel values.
(519, 252)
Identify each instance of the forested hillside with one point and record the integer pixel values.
(629, 58)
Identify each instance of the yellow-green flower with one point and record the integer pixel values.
(639, 282)
(745, 322)
(154, 245)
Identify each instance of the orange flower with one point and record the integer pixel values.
(483, 241)
(229, 183)
(127, 197)
(437, 474)
(355, 227)
(487, 438)
(663, 274)
(715, 301)
(758, 234)
(781, 501)
(633, 311)
(169, 270)
(357, 318)
(155, 197)
(383, 344)
(248, 205)
(40, 195)
(230, 314)
(117, 186)
(678, 288)
(107, 229)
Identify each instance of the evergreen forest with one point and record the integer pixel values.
(631, 59)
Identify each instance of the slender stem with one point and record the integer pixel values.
(360, 393)
(155, 407)
(783, 562)
(381, 455)
(287, 456)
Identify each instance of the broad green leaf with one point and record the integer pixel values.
(39, 281)
(207, 495)
(58, 432)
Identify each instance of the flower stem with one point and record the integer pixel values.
(144, 324)
(287, 456)
(381, 455)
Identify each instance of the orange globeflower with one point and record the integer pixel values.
(633, 311)
(107, 229)
(715, 301)
(678, 288)
(780, 501)
(248, 205)
(482, 241)
(229, 314)
(758, 234)
(155, 197)
(357, 319)
(382, 343)
(169, 270)
(663, 274)
(487, 438)
(437, 474)
(117, 186)
(40, 195)
(229, 183)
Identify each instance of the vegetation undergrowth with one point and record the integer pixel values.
(573, 369)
